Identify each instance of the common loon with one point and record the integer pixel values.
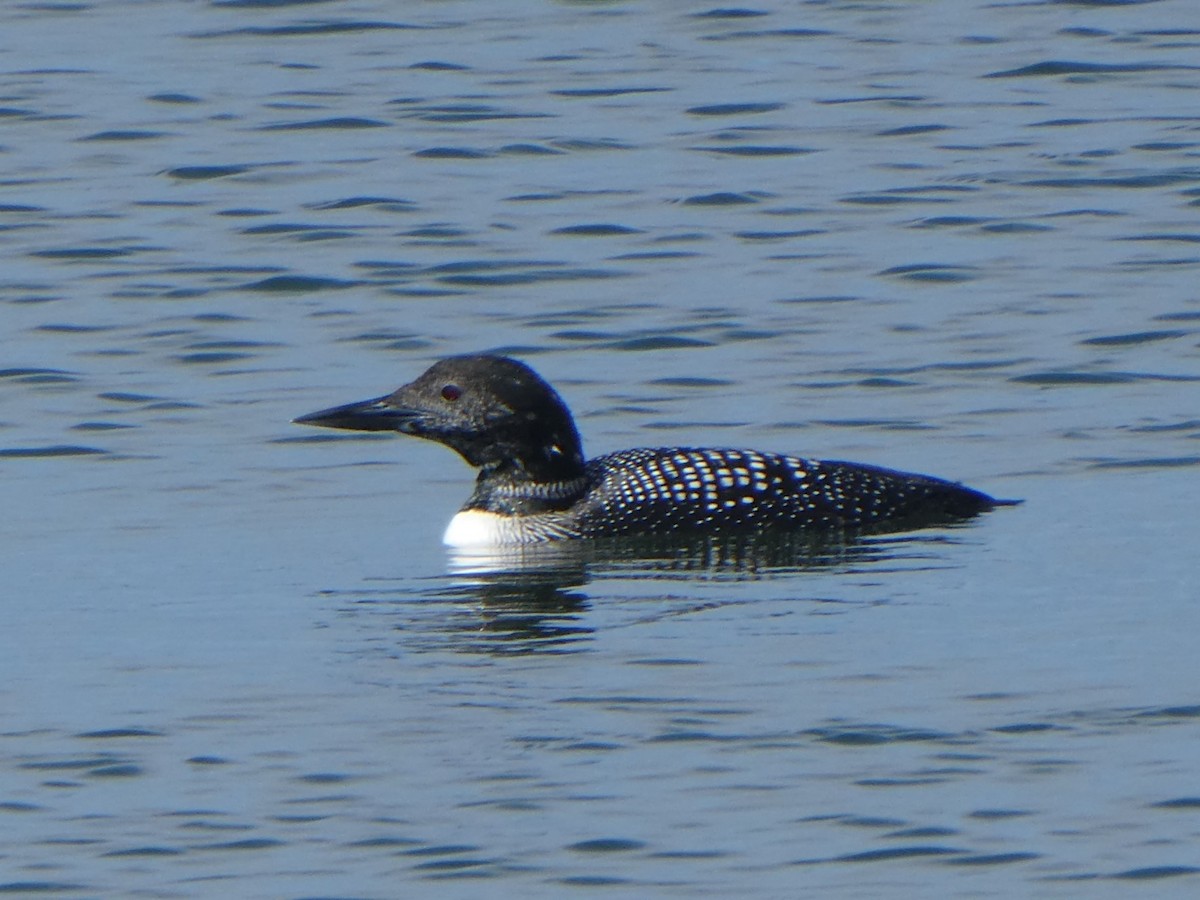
(535, 485)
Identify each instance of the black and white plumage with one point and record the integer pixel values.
(535, 485)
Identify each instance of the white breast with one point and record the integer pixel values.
(477, 528)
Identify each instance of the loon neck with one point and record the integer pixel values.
(504, 493)
(536, 467)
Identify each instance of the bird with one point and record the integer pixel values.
(535, 485)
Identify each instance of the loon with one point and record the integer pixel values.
(535, 485)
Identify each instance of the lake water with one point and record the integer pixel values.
(951, 237)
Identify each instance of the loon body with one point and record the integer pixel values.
(535, 485)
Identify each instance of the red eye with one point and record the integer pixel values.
(451, 392)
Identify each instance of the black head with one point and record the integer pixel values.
(496, 412)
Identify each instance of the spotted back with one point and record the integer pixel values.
(668, 490)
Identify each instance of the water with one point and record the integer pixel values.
(946, 237)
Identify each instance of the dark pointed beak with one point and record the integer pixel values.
(366, 415)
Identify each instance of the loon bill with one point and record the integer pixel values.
(535, 485)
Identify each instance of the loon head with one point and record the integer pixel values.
(497, 413)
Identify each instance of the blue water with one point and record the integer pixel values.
(956, 238)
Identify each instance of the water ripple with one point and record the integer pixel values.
(306, 29)
(1063, 67)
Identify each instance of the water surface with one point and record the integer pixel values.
(944, 237)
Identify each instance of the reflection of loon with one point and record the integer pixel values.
(534, 484)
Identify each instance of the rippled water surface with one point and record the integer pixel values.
(950, 237)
